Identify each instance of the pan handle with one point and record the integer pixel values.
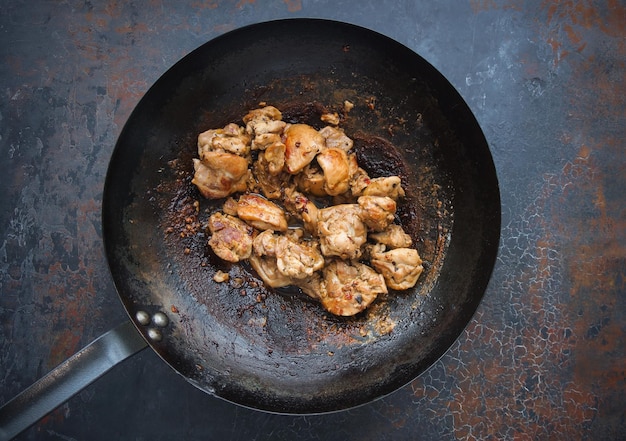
(69, 378)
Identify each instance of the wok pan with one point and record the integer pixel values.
(278, 350)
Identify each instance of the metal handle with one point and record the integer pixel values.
(69, 378)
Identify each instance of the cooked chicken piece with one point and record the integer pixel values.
(369, 249)
(263, 140)
(377, 211)
(220, 174)
(232, 139)
(295, 258)
(265, 112)
(261, 213)
(341, 231)
(230, 207)
(265, 182)
(350, 287)
(275, 157)
(336, 138)
(231, 238)
(330, 118)
(393, 237)
(303, 142)
(264, 120)
(359, 179)
(388, 186)
(334, 164)
(301, 207)
(400, 267)
(311, 181)
(268, 271)
(264, 244)
(311, 286)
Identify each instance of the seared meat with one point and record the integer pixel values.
(377, 211)
(334, 164)
(349, 287)
(400, 267)
(359, 179)
(232, 139)
(298, 259)
(330, 118)
(301, 207)
(231, 237)
(275, 156)
(305, 210)
(268, 271)
(311, 181)
(265, 181)
(263, 140)
(341, 231)
(220, 174)
(336, 138)
(295, 258)
(393, 237)
(312, 286)
(265, 120)
(302, 143)
(261, 213)
(387, 186)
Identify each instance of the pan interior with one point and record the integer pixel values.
(280, 351)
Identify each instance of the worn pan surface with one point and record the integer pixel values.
(278, 350)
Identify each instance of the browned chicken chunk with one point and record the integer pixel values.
(265, 181)
(295, 258)
(298, 259)
(275, 156)
(263, 140)
(336, 168)
(302, 208)
(393, 237)
(232, 139)
(312, 286)
(231, 238)
(267, 269)
(349, 287)
(261, 213)
(336, 138)
(220, 174)
(386, 186)
(302, 143)
(311, 180)
(341, 231)
(264, 120)
(377, 211)
(400, 267)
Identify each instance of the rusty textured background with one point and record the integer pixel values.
(544, 358)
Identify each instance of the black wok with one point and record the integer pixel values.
(279, 351)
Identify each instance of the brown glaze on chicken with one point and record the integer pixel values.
(302, 143)
(393, 237)
(341, 230)
(261, 213)
(220, 174)
(349, 287)
(336, 169)
(301, 210)
(400, 267)
(231, 238)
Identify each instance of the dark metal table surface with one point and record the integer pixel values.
(544, 357)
